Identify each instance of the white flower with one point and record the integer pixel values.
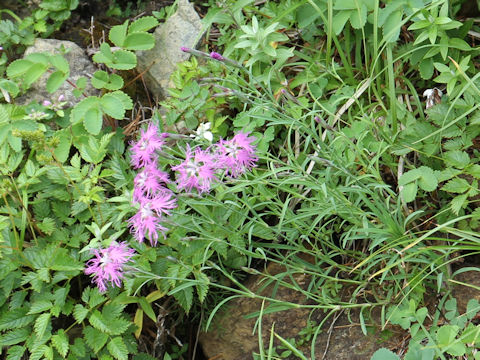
(203, 132)
(434, 96)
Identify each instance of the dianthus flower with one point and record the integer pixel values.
(236, 155)
(145, 149)
(197, 171)
(107, 265)
(146, 223)
(149, 182)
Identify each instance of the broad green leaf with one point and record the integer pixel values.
(339, 21)
(123, 60)
(118, 349)
(93, 120)
(409, 176)
(78, 113)
(112, 106)
(18, 68)
(104, 55)
(118, 33)
(358, 17)
(63, 148)
(384, 354)
(428, 180)
(34, 73)
(144, 23)
(124, 98)
(139, 41)
(59, 62)
(101, 79)
(55, 80)
(409, 192)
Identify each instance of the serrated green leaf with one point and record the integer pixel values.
(78, 348)
(123, 60)
(458, 202)
(93, 120)
(34, 73)
(112, 106)
(60, 63)
(55, 80)
(98, 322)
(41, 324)
(40, 306)
(18, 68)
(409, 176)
(384, 354)
(15, 352)
(144, 23)
(79, 313)
(95, 338)
(456, 185)
(456, 158)
(118, 33)
(15, 319)
(15, 336)
(60, 341)
(409, 192)
(118, 349)
(63, 148)
(124, 98)
(139, 41)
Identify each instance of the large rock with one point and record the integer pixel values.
(80, 65)
(232, 335)
(183, 28)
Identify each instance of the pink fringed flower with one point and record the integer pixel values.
(144, 150)
(197, 171)
(107, 265)
(236, 155)
(146, 223)
(149, 182)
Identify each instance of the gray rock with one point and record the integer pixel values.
(183, 28)
(80, 65)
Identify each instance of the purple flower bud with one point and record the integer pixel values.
(185, 49)
(1, 48)
(216, 56)
(46, 103)
(61, 98)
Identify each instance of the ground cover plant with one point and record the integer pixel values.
(345, 133)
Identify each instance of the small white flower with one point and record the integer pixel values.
(434, 96)
(203, 132)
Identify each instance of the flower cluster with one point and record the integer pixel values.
(150, 192)
(107, 265)
(200, 169)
